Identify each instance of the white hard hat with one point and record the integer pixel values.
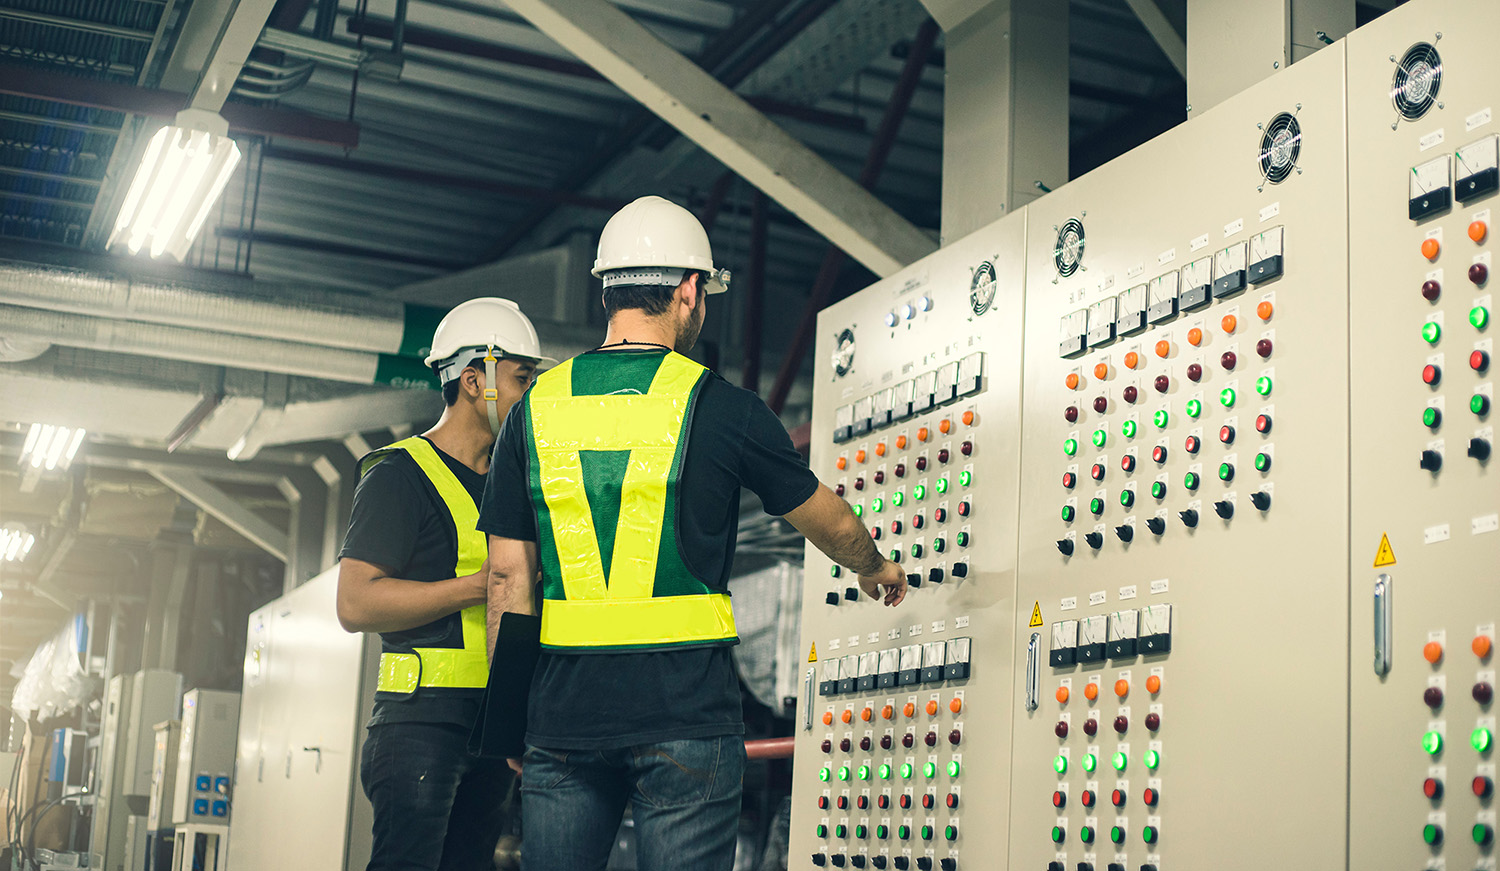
(655, 241)
(487, 327)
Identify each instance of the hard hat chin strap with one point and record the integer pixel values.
(491, 395)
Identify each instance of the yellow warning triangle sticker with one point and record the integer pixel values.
(1036, 615)
(1385, 556)
(812, 652)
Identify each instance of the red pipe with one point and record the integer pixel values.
(770, 748)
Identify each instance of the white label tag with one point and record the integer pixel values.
(1270, 212)
(1477, 120)
(1127, 592)
(1200, 242)
(1435, 534)
(1098, 598)
(1431, 140)
(1486, 523)
(1068, 604)
(1233, 227)
(960, 622)
(1158, 587)
(1166, 257)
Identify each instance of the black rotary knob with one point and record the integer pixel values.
(852, 594)
(1156, 525)
(1431, 461)
(1125, 532)
(832, 598)
(1261, 500)
(1065, 546)
(1224, 508)
(1189, 517)
(1095, 540)
(935, 576)
(960, 570)
(914, 580)
(1479, 449)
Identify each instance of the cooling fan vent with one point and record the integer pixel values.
(1067, 254)
(1415, 84)
(843, 354)
(1280, 145)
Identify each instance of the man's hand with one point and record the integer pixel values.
(515, 764)
(891, 578)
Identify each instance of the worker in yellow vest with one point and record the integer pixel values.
(618, 477)
(412, 569)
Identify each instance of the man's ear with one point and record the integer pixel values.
(691, 289)
(472, 381)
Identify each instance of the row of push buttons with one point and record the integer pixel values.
(899, 863)
(1481, 739)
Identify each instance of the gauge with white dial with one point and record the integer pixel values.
(1197, 279)
(1073, 327)
(1131, 314)
(1265, 255)
(1430, 188)
(1229, 270)
(1478, 169)
(1102, 322)
(1161, 298)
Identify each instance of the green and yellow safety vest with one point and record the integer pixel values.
(405, 670)
(605, 460)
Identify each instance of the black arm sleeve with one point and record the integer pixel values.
(506, 509)
(770, 466)
(386, 515)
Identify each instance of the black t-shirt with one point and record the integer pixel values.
(398, 523)
(613, 700)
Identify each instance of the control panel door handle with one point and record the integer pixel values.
(1033, 671)
(807, 700)
(1382, 624)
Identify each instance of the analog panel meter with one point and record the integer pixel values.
(1123, 626)
(1130, 314)
(1197, 281)
(1229, 270)
(1074, 327)
(1431, 188)
(1265, 255)
(1102, 322)
(1161, 298)
(1478, 169)
(926, 388)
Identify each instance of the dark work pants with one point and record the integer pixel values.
(436, 807)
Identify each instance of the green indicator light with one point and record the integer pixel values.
(1127, 498)
(1479, 404)
(1190, 480)
(1059, 764)
(898, 498)
(1226, 397)
(919, 492)
(1481, 739)
(1263, 385)
(859, 510)
(1160, 419)
(916, 551)
(965, 478)
(951, 833)
(1479, 316)
(877, 505)
(941, 485)
(1067, 514)
(1070, 447)
(881, 832)
(824, 773)
(1432, 833)
(1117, 835)
(1128, 429)
(1086, 834)
(835, 570)
(927, 833)
(906, 770)
(1058, 833)
(885, 771)
(821, 830)
(895, 554)
(1148, 834)
(1262, 462)
(1431, 332)
(1096, 505)
(1431, 416)
(1119, 761)
(840, 831)
(1226, 472)
(1100, 437)
(939, 545)
(860, 831)
(1153, 759)
(963, 539)
(864, 772)
(1159, 489)
(1194, 408)
(953, 768)
(1432, 742)
(844, 773)
(929, 770)
(1090, 762)
(1481, 833)
(903, 832)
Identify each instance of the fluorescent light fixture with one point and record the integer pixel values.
(51, 447)
(15, 543)
(181, 176)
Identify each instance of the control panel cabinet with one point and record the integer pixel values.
(1424, 85)
(1181, 622)
(903, 733)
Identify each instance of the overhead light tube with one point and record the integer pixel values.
(181, 176)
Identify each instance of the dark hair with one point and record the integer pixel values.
(653, 299)
(450, 390)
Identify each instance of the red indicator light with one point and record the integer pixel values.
(1431, 374)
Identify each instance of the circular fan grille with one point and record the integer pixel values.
(982, 288)
(1280, 144)
(843, 354)
(1414, 86)
(1067, 254)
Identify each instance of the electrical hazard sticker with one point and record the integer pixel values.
(1384, 556)
(812, 652)
(1036, 615)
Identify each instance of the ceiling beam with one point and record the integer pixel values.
(1172, 43)
(727, 127)
(223, 507)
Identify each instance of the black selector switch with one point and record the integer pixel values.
(832, 598)
(1125, 532)
(1056, 866)
(1085, 866)
(901, 863)
(1224, 508)
(1065, 546)
(838, 860)
(948, 863)
(1189, 518)
(935, 576)
(878, 862)
(914, 581)
(924, 863)
(851, 593)
(960, 570)
(820, 860)
(1261, 500)
(1156, 525)
(1095, 540)
(857, 861)
(1479, 449)
(1431, 461)
(1116, 866)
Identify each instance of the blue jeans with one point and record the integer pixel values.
(684, 797)
(436, 807)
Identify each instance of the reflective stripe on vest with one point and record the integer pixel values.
(464, 667)
(623, 612)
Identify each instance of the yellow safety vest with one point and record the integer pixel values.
(465, 667)
(625, 611)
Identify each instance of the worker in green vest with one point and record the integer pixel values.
(412, 569)
(618, 477)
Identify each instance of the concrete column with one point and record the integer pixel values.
(1232, 44)
(1005, 107)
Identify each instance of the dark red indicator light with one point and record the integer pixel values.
(1228, 360)
(1194, 372)
(1129, 394)
(1430, 290)
(1431, 374)
(1061, 729)
(1153, 722)
(1433, 697)
(1071, 414)
(1263, 347)
(1122, 724)
(1161, 383)
(1101, 404)
(1090, 727)
(1432, 788)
